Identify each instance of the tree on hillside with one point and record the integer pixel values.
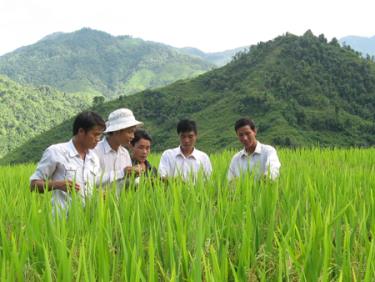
(98, 100)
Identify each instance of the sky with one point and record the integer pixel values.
(210, 25)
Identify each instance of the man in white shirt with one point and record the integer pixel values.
(115, 161)
(185, 161)
(72, 165)
(256, 158)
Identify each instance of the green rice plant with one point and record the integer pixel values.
(315, 223)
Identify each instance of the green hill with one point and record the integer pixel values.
(301, 91)
(93, 61)
(26, 111)
(217, 58)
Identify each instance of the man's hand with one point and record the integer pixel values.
(64, 185)
(137, 170)
(39, 185)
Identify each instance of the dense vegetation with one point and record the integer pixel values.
(93, 61)
(26, 111)
(312, 224)
(301, 91)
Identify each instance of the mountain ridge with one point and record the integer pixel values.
(218, 58)
(365, 45)
(88, 60)
(300, 91)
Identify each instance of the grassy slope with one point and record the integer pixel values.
(94, 61)
(26, 111)
(301, 91)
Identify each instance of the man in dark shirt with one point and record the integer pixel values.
(141, 147)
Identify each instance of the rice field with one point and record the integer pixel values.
(316, 223)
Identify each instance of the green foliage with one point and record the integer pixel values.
(90, 60)
(301, 91)
(315, 223)
(97, 100)
(27, 111)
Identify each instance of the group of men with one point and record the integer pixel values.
(88, 160)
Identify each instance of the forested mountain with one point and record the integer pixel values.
(365, 45)
(93, 61)
(300, 90)
(217, 58)
(26, 111)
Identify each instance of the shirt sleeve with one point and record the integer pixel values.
(207, 167)
(110, 176)
(106, 177)
(273, 165)
(46, 166)
(128, 161)
(164, 166)
(231, 171)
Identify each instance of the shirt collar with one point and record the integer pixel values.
(107, 148)
(135, 162)
(72, 151)
(258, 149)
(179, 153)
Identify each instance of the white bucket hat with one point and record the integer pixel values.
(121, 119)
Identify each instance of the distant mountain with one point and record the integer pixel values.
(26, 111)
(217, 58)
(93, 61)
(365, 45)
(300, 90)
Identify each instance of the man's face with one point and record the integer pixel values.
(188, 140)
(246, 135)
(91, 137)
(124, 136)
(141, 149)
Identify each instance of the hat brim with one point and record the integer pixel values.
(117, 127)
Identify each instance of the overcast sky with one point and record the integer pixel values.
(210, 25)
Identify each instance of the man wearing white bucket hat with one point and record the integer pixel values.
(114, 159)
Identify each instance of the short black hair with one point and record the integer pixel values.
(140, 134)
(186, 125)
(243, 122)
(87, 120)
